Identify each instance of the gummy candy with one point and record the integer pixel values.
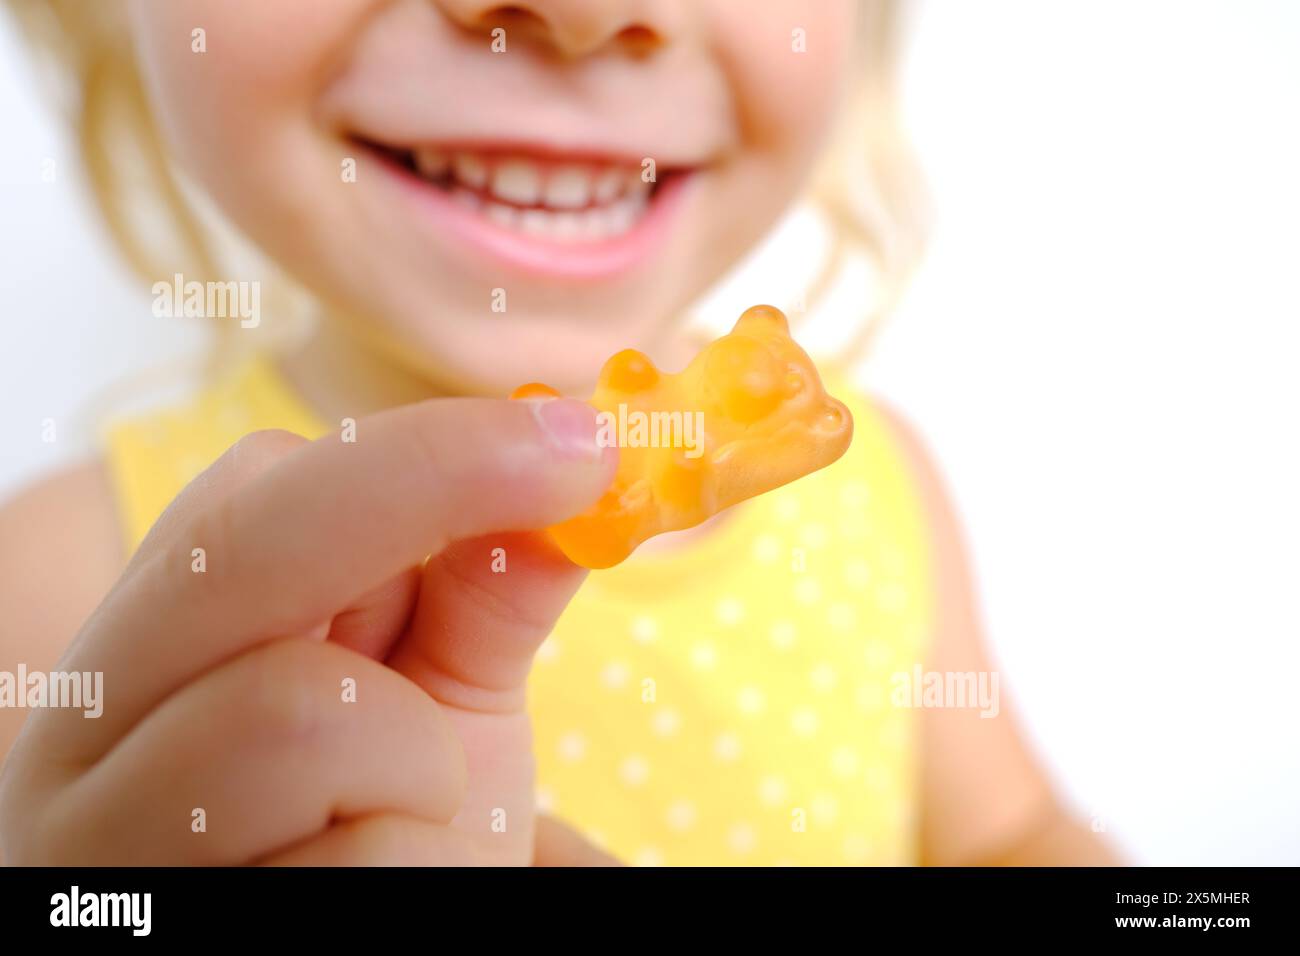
(748, 414)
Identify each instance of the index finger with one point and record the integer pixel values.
(321, 527)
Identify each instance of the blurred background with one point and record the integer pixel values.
(1101, 348)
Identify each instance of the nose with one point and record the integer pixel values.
(573, 28)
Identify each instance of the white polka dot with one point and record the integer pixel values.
(727, 746)
(681, 815)
(773, 791)
(805, 722)
(704, 656)
(644, 630)
(842, 616)
(750, 700)
(783, 634)
(665, 722)
(808, 590)
(730, 611)
(855, 494)
(892, 597)
(635, 770)
(615, 675)
(573, 747)
(844, 761)
(857, 849)
(549, 650)
(878, 654)
(870, 697)
(813, 535)
(742, 838)
(823, 677)
(895, 735)
(544, 799)
(767, 548)
(824, 809)
(857, 573)
(854, 529)
(648, 856)
(787, 508)
(878, 777)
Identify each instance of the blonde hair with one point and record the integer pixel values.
(868, 187)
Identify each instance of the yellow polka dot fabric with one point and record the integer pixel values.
(721, 703)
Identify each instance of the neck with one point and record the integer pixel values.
(340, 375)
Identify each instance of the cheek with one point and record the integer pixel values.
(255, 80)
(788, 63)
(785, 100)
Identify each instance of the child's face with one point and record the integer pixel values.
(530, 248)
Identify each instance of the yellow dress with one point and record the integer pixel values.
(722, 703)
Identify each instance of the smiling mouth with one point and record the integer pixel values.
(562, 201)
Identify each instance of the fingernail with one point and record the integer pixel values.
(570, 425)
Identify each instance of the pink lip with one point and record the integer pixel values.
(461, 227)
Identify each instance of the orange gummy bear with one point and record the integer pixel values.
(748, 414)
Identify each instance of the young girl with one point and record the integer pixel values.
(316, 592)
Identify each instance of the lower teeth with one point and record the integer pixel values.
(594, 223)
(612, 218)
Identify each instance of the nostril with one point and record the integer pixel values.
(511, 15)
(509, 11)
(576, 30)
(638, 39)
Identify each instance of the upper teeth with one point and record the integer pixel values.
(523, 182)
(432, 165)
(469, 170)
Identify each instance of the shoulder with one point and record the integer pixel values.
(61, 548)
(60, 552)
(925, 475)
(954, 622)
(900, 454)
(69, 515)
(982, 790)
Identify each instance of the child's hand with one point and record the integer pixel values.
(230, 731)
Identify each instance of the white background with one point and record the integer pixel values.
(1101, 349)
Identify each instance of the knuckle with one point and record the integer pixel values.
(384, 840)
(14, 838)
(286, 694)
(504, 610)
(426, 456)
(25, 810)
(394, 840)
(211, 532)
(260, 447)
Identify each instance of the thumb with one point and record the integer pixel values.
(485, 606)
(558, 844)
